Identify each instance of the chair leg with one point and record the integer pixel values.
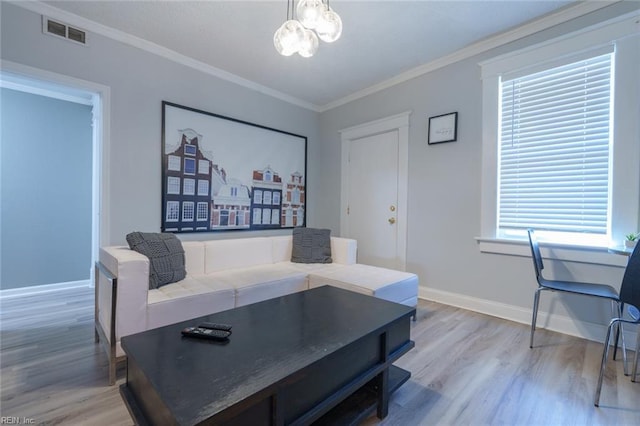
(619, 315)
(536, 300)
(603, 364)
(620, 332)
(635, 360)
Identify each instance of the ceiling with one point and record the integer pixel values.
(380, 39)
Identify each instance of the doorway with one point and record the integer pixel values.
(65, 178)
(374, 190)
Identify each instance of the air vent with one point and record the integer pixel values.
(59, 29)
(56, 28)
(76, 35)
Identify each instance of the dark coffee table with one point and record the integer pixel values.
(320, 356)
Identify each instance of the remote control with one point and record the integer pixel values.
(215, 326)
(206, 333)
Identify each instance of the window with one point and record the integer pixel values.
(203, 212)
(257, 216)
(257, 196)
(275, 217)
(173, 185)
(276, 198)
(553, 149)
(300, 216)
(173, 211)
(203, 167)
(203, 187)
(189, 166)
(266, 216)
(190, 150)
(173, 163)
(187, 211)
(266, 197)
(224, 217)
(560, 139)
(189, 187)
(242, 217)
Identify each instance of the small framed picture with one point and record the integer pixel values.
(443, 128)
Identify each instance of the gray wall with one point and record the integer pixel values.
(444, 180)
(46, 166)
(445, 188)
(139, 82)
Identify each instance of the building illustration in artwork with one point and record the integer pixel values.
(266, 201)
(230, 204)
(293, 201)
(187, 185)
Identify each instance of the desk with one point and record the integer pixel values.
(622, 250)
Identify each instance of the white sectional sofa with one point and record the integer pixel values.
(223, 274)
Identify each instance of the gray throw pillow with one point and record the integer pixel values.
(311, 245)
(165, 253)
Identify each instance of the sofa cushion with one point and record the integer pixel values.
(261, 282)
(165, 253)
(186, 299)
(388, 284)
(194, 257)
(311, 245)
(237, 253)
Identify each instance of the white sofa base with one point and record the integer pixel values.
(221, 275)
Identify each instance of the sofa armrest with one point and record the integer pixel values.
(131, 270)
(344, 250)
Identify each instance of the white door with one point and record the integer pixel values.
(373, 198)
(374, 190)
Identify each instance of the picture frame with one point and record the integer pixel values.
(443, 128)
(224, 174)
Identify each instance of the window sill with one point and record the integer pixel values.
(554, 251)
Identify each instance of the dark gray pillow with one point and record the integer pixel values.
(165, 253)
(311, 245)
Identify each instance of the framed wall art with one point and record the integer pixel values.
(221, 174)
(443, 128)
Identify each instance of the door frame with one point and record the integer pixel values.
(99, 97)
(399, 123)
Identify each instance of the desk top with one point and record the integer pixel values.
(621, 249)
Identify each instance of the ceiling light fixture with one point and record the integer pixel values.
(297, 35)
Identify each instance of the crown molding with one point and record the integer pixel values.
(131, 40)
(482, 46)
(548, 21)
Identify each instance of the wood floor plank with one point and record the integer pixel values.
(467, 369)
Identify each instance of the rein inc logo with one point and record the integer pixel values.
(7, 420)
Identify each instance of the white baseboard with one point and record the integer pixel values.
(36, 289)
(553, 322)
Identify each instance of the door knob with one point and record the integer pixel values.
(392, 220)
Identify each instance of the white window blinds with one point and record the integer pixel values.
(554, 148)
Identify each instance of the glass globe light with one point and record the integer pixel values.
(309, 44)
(309, 11)
(329, 26)
(287, 38)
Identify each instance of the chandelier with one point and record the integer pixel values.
(316, 20)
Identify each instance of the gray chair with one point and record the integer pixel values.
(630, 295)
(587, 289)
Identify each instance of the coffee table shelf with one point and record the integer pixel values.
(363, 403)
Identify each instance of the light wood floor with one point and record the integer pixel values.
(468, 369)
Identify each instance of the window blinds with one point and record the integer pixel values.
(554, 148)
